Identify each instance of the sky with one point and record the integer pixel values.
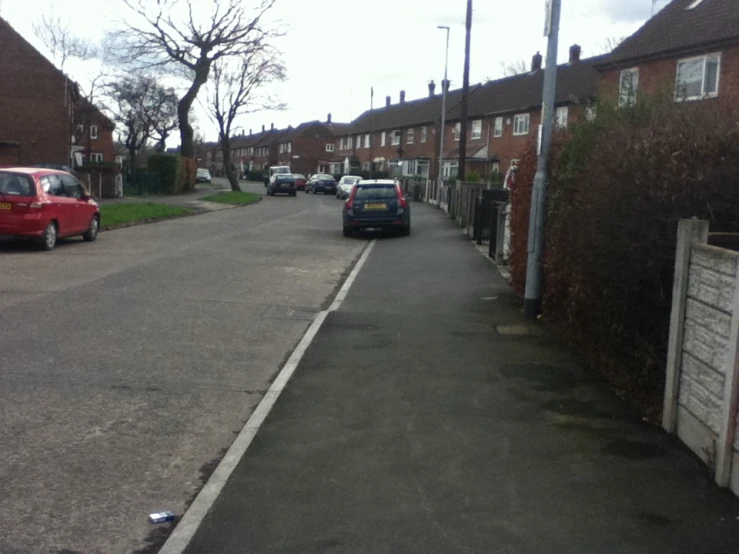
(335, 51)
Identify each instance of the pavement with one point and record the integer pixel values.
(128, 365)
(426, 416)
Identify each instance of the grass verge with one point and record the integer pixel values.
(120, 214)
(234, 197)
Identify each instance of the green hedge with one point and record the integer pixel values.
(178, 174)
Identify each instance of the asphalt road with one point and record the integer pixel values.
(128, 365)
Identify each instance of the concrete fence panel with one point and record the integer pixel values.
(700, 402)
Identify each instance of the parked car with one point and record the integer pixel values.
(46, 204)
(282, 184)
(276, 170)
(203, 176)
(300, 181)
(345, 186)
(321, 183)
(377, 203)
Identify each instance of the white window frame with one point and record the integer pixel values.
(96, 157)
(628, 97)
(329, 147)
(289, 147)
(366, 141)
(395, 137)
(93, 132)
(476, 129)
(382, 139)
(424, 133)
(358, 142)
(519, 121)
(410, 136)
(704, 94)
(498, 128)
(349, 143)
(562, 116)
(457, 130)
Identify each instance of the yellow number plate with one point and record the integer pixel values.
(375, 206)
(4, 205)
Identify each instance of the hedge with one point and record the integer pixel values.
(618, 187)
(178, 174)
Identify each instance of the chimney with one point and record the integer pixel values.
(249, 132)
(328, 118)
(402, 97)
(263, 128)
(387, 101)
(272, 127)
(432, 89)
(446, 85)
(536, 62)
(575, 52)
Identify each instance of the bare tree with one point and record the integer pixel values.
(607, 45)
(239, 88)
(54, 33)
(139, 105)
(518, 67)
(170, 33)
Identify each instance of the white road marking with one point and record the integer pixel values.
(188, 526)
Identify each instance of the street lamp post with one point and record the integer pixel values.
(444, 85)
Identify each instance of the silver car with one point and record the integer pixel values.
(345, 186)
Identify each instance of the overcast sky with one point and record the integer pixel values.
(335, 50)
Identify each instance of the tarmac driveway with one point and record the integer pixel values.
(127, 365)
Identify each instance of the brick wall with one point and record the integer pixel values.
(660, 75)
(34, 105)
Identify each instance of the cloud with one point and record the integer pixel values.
(624, 11)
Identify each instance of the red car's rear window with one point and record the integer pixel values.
(16, 184)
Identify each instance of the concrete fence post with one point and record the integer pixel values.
(500, 236)
(689, 231)
(725, 446)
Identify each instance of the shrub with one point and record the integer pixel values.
(618, 187)
(473, 177)
(170, 171)
(255, 175)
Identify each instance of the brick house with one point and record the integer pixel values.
(690, 49)
(40, 108)
(308, 147)
(505, 114)
(399, 138)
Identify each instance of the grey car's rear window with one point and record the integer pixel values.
(13, 184)
(376, 191)
(284, 179)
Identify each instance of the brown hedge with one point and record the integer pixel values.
(619, 186)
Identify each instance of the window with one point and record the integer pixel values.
(422, 167)
(424, 132)
(358, 141)
(396, 137)
(19, 185)
(476, 129)
(409, 167)
(410, 136)
(348, 143)
(697, 77)
(72, 187)
(366, 141)
(495, 168)
(93, 132)
(628, 84)
(53, 185)
(562, 115)
(457, 130)
(80, 129)
(365, 165)
(450, 170)
(382, 139)
(329, 147)
(96, 157)
(521, 124)
(289, 146)
(498, 130)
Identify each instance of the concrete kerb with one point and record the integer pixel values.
(193, 517)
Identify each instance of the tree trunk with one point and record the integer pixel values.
(132, 172)
(187, 148)
(233, 178)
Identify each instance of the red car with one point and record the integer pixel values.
(299, 181)
(46, 204)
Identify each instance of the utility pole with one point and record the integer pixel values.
(537, 216)
(372, 133)
(444, 86)
(465, 95)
